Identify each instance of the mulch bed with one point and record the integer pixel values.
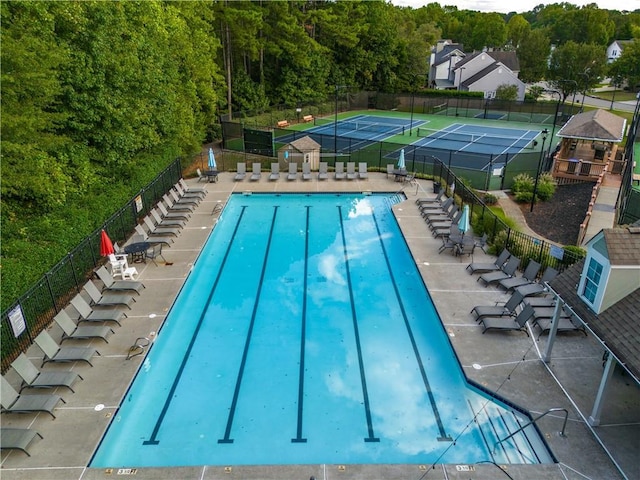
(559, 219)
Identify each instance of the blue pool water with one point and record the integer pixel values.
(305, 335)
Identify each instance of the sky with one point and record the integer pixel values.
(519, 6)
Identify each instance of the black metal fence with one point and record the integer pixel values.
(500, 235)
(35, 309)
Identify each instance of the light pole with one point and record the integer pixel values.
(535, 185)
(555, 118)
(613, 97)
(415, 75)
(335, 124)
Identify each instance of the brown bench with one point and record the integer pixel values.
(283, 124)
(308, 118)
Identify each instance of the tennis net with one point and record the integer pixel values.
(349, 126)
(484, 138)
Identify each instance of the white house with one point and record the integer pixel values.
(615, 50)
(450, 68)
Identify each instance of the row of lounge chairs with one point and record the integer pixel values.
(92, 314)
(530, 300)
(293, 173)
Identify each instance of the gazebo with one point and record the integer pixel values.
(589, 146)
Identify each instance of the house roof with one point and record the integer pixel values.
(623, 246)
(447, 51)
(618, 327)
(304, 144)
(508, 59)
(594, 125)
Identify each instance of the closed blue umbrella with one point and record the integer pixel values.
(401, 164)
(212, 160)
(463, 223)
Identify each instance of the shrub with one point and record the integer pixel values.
(524, 197)
(522, 183)
(489, 199)
(546, 187)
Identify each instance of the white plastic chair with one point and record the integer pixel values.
(118, 264)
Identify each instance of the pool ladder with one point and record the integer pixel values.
(564, 425)
(138, 347)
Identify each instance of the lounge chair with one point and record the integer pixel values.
(482, 242)
(118, 285)
(72, 331)
(167, 222)
(507, 271)
(34, 378)
(323, 171)
(508, 309)
(293, 171)
(188, 200)
(435, 216)
(351, 171)
(89, 315)
(490, 267)
(241, 171)
(306, 171)
(56, 354)
(17, 439)
(158, 229)
(256, 173)
(339, 173)
(538, 288)
(186, 194)
(174, 206)
(362, 171)
(194, 190)
(529, 275)
(98, 299)
(150, 237)
(443, 227)
(566, 323)
(539, 301)
(13, 402)
(177, 213)
(436, 206)
(508, 323)
(275, 171)
(201, 177)
(391, 169)
(440, 198)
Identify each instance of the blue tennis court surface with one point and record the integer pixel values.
(478, 139)
(366, 127)
(305, 335)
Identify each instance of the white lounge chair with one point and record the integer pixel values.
(351, 171)
(241, 171)
(275, 171)
(339, 174)
(306, 171)
(362, 171)
(322, 173)
(256, 173)
(293, 171)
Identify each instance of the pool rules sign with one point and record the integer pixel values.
(16, 319)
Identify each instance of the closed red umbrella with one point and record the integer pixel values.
(106, 246)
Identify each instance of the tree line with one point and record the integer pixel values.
(98, 96)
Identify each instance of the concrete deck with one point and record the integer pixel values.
(508, 363)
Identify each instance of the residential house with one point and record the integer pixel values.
(615, 50)
(450, 68)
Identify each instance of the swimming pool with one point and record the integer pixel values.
(305, 335)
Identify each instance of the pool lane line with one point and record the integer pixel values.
(363, 379)
(153, 439)
(247, 343)
(443, 434)
(299, 438)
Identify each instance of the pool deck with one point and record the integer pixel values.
(509, 363)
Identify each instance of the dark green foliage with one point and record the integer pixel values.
(489, 199)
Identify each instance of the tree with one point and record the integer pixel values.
(626, 69)
(517, 30)
(507, 92)
(532, 55)
(576, 67)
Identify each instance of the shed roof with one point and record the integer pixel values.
(595, 125)
(623, 246)
(304, 144)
